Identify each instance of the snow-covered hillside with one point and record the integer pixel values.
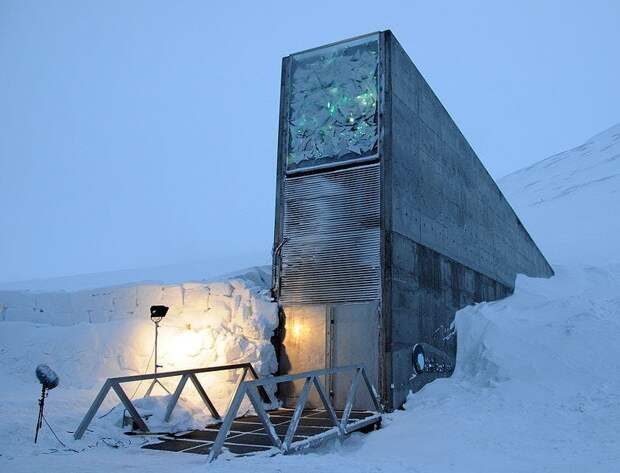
(570, 202)
(536, 387)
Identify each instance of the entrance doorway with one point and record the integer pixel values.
(320, 336)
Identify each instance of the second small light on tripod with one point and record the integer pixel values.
(158, 312)
(49, 380)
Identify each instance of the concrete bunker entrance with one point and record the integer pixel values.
(380, 198)
(318, 336)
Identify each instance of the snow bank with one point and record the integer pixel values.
(88, 336)
(560, 334)
(536, 387)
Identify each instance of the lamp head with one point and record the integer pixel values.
(46, 376)
(158, 312)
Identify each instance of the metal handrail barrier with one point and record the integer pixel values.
(190, 374)
(340, 429)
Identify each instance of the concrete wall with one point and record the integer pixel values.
(450, 236)
(427, 289)
(442, 196)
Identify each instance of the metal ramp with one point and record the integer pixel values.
(282, 430)
(247, 436)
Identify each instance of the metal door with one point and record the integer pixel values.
(354, 338)
(329, 335)
(304, 348)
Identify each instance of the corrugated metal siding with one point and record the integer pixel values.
(332, 226)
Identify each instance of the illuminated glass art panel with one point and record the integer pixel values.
(333, 93)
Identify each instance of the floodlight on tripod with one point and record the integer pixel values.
(49, 380)
(158, 312)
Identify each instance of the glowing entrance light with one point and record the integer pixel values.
(332, 112)
(297, 329)
(188, 343)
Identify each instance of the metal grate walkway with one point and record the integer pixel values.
(284, 430)
(247, 435)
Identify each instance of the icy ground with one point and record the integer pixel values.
(537, 384)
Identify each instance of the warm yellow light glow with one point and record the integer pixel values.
(296, 328)
(183, 344)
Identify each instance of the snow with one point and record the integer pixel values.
(90, 335)
(111, 334)
(536, 386)
(569, 202)
(210, 270)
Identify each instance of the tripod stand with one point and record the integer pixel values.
(155, 380)
(40, 419)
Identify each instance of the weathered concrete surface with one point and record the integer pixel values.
(450, 236)
(427, 288)
(442, 196)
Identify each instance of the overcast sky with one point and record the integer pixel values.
(136, 134)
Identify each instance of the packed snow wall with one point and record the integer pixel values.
(91, 335)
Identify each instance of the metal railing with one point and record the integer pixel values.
(114, 384)
(340, 427)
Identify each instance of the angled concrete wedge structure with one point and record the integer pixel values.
(386, 223)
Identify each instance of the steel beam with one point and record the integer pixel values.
(299, 408)
(292, 377)
(350, 398)
(374, 396)
(205, 398)
(175, 397)
(261, 389)
(129, 406)
(328, 405)
(167, 374)
(233, 408)
(257, 402)
(92, 410)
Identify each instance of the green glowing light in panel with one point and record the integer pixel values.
(332, 113)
